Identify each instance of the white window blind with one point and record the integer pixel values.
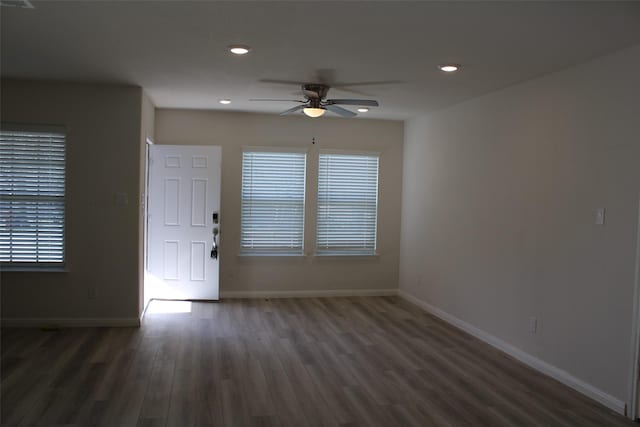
(347, 204)
(32, 197)
(273, 188)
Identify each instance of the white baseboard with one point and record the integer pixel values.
(70, 322)
(310, 294)
(564, 377)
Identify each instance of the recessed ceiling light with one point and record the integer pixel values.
(225, 101)
(449, 68)
(239, 49)
(362, 110)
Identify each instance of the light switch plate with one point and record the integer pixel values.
(121, 199)
(599, 216)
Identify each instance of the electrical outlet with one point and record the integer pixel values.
(91, 293)
(533, 324)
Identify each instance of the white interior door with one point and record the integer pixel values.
(184, 197)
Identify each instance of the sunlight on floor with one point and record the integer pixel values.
(168, 307)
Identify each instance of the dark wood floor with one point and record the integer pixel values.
(294, 362)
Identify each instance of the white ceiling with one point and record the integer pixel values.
(177, 50)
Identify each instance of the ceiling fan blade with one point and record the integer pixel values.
(351, 86)
(353, 91)
(340, 111)
(280, 82)
(284, 100)
(367, 102)
(380, 82)
(292, 110)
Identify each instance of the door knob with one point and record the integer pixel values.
(214, 249)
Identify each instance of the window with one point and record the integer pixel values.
(347, 204)
(32, 198)
(273, 202)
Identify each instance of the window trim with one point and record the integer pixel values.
(43, 267)
(351, 152)
(270, 149)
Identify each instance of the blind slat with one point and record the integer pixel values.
(347, 204)
(273, 189)
(32, 191)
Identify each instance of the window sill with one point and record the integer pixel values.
(314, 255)
(345, 255)
(32, 269)
(285, 255)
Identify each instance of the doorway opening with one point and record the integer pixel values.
(183, 223)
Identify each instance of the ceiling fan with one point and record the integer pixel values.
(316, 104)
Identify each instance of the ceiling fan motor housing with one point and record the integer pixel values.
(315, 103)
(320, 89)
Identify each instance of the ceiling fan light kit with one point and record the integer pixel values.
(314, 112)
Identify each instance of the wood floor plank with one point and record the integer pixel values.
(370, 361)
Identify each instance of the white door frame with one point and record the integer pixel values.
(633, 411)
(145, 230)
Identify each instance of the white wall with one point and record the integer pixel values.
(232, 131)
(498, 215)
(103, 157)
